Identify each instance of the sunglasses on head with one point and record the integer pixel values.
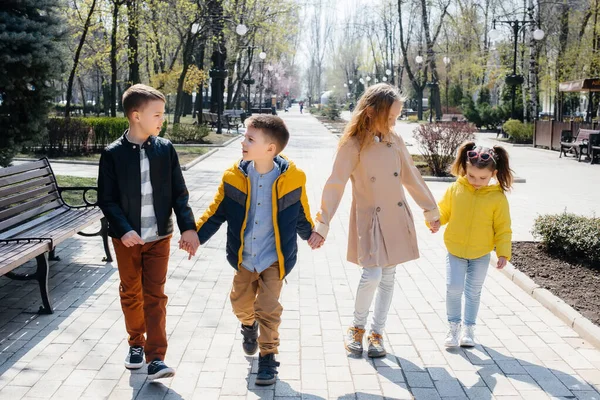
(484, 156)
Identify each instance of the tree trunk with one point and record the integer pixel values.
(563, 39)
(133, 51)
(181, 81)
(218, 59)
(76, 59)
(113, 59)
(82, 91)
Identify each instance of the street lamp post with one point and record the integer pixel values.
(419, 60)
(262, 56)
(515, 80)
(447, 63)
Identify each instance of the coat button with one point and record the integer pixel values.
(400, 204)
(395, 174)
(378, 209)
(389, 145)
(133, 146)
(373, 179)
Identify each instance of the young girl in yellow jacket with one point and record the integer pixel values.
(478, 219)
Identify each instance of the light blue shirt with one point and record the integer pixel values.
(260, 251)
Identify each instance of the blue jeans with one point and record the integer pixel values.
(466, 276)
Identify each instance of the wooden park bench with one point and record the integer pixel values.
(209, 119)
(578, 144)
(594, 146)
(231, 122)
(34, 219)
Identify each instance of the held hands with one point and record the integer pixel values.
(434, 226)
(501, 262)
(131, 239)
(315, 241)
(189, 242)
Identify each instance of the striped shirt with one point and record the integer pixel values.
(149, 226)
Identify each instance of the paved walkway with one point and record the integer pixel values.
(78, 352)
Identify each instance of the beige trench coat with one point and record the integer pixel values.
(382, 231)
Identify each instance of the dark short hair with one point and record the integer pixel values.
(137, 96)
(273, 127)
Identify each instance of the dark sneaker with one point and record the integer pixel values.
(157, 369)
(267, 370)
(250, 334)
(354, 340)
(376, 348)
(135, 358)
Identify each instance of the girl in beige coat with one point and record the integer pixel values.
(382, 231)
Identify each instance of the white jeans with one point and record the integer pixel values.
(371, 279)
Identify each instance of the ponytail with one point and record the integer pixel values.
(459, 166)
(504, 175)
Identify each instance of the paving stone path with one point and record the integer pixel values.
(525, 351)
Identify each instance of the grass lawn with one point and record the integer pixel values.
(75, 198)
(186, 154)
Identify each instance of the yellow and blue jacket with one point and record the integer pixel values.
(291, 212)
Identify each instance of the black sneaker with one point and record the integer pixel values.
(267, 370)
(157, 369)
(135, 358)
(250, 334)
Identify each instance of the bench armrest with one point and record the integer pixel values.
(85, 189)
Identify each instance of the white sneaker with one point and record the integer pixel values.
(452, 335)
(467, 337)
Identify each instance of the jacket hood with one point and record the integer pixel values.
(282, 162)
(490, 188)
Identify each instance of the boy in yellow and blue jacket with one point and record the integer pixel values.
(263, 199)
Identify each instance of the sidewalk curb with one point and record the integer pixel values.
(78, 162)
(197, 160)
(583, 326)
(225, 144)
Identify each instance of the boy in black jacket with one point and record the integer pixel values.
(139, 184)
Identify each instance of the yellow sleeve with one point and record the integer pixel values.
(502, 229)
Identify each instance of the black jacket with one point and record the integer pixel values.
(119, 187)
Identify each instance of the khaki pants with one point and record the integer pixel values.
(143, 274)
(256, 297)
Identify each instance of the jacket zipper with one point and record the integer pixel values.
(241, 251)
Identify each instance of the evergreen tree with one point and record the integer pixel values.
(31, 58)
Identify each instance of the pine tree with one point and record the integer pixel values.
(31, 58)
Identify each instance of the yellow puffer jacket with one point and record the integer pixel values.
(478, 220)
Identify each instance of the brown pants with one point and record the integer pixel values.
(143, 273)
(256, 297)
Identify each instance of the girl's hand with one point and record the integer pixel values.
(435, 226)
(315, 241)
(501, 262)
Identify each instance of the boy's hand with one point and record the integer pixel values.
(189, 242)
(131, 239)
(315, 240)
(501, 262)
(435, 226)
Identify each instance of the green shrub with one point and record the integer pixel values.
(106, 129)
(183, 133)
(412, 118)
(569, 235)
(66, 136)
(332, 109)
(518, 131)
